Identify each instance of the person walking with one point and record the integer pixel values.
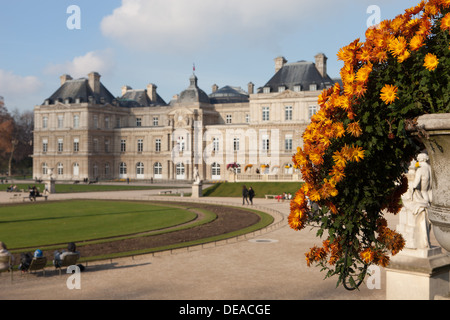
(244, 195)
(251, 194)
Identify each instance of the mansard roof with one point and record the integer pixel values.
(139, 98)
(80, 89)
(301, 73)
(229, 94)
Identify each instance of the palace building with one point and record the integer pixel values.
(83, 132)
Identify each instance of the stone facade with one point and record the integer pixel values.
(82, 132)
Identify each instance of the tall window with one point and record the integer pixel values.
(157, 170)
(106, 122)
(155, 121)
(158, 145)
(265, 114)
(236, 144)
(44, 168)
(123, 145)
(60, 169)
(76, 169)
(140, 145)
(229, 118)
(288, 113)
(60, 121)
(45, 122)
(138, 122)
(123, 168)
(76, 121)
(76, 145)
(96, 121)
(107, 169)
(106, 146)
(265, 143)
(288, 143)
(44, 145)
(216, 144)
(180, 170)
(60, 145)
(140, 169)
(95, 143)
(312, 111)
(215, 170)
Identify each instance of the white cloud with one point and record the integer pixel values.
(166, 25)
(13, 85)
(100, 61)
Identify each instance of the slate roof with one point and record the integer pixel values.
(193, 93)
(80, 89)
(301, 73)
(139, 98)
(229, 94)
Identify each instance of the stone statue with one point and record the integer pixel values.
(414, 223)
(196, 176)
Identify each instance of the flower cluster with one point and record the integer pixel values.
(356, 148)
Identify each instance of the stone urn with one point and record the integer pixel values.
(436, 128)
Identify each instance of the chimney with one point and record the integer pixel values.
(321, 64)
(251, 88)
(64, 78)
(125, 89)
(94, 82)
(215, 87)
(151, 92)
(279, 63)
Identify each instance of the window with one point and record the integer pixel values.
(157, 170)
(123, 168)
(44, 168)
(95, 121)
(106, 122)
(95, 143)
(107, 169)
(229, 118)
(45, 146)
(106, 146)
(312, 111)
(140, 145)
(123, 145)
(265, 143)
(215, 171)
(281, 88)
(60, 169)
(76, 121)
(60, 121)
(118, 122)
(180, 170)
(158, 145)
(297, 88)
(140, 170)
(288, 113)
(313, 87)
(60, 145)
(247, 118)
(266, 90)
(265, 114)
(216, 144)
(138, 122)
(181, 143)
(76, 145)
(288, 143)
(76, 169)
(155, 121)
(236, 144)
(45, 122)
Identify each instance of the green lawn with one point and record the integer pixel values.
(229, 189)
(69, 188)
(40, 224)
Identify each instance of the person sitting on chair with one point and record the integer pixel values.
(59, 256)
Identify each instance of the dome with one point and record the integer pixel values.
(193, 94)
(229, 94)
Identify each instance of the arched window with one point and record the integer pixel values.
(215, 171)
(122, 170)
(157, 170)
(140, 170)
(181, 171)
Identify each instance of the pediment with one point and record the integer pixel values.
(288, 94)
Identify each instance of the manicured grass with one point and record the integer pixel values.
(69, 188)
(39, 224)
(230, 189)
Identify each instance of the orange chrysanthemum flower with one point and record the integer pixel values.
(389, 94)
(354, 129)
(431, 62)
(416, 42)
(445, 22)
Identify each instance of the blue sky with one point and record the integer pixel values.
(137, 42)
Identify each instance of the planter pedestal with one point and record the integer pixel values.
(197, 190)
